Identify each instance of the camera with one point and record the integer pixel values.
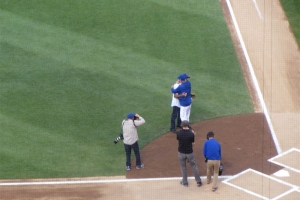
(119, 138)
(135, 118)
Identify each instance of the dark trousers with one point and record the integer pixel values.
(136, 150)
(182, 161)
(175, 114)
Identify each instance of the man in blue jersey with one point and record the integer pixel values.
(185, 100)
(213, 154)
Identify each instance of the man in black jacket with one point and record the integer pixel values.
(186, 139)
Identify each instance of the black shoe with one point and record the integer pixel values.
(185, 185)
(173, 130)
(140, 166)
(199, 184)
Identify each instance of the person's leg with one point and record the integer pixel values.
(182, 162)
(178, 116)
(182, 113)
(209, 166)
(173, 117)
(185, 113)
(216, 165)
(128, 154)
(188, 112)
(136, 150)
(193, 164)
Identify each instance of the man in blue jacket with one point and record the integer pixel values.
(185, 100)
(213, 154)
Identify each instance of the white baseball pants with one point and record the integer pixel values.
(185, 112)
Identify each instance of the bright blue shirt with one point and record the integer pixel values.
(212, 150)
(184, 87)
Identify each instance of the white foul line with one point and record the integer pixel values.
(95, 181)
(261, 99)
(257, 9)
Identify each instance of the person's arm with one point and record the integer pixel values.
(139, 121)
(176, 95)
(193, 138)
(204, 151)
(220, 152)
(177, 90)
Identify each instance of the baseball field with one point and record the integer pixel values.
(72, 70)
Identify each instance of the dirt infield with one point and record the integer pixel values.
(246, 139)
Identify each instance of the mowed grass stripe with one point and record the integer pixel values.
(135, 73)
(80, 51)
(48, 92)
(208, 8)
(52, 152)
(153, 29)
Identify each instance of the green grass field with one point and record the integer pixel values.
(292, 11)
(70, 71)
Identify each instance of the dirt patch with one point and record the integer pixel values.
(52, 192)
(241, 57)
(245, 139)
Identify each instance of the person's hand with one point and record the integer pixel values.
(184, 94)
(137, 115)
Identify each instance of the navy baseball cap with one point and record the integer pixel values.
(130, 115)
(183, 76)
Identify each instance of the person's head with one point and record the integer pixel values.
(210, 135)
(130, 115)
(185, 124)
(183, 77)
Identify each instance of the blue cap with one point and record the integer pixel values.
(183, 76)
(130, 115)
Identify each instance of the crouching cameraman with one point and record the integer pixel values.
(131, 138)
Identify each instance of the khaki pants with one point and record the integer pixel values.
(213, 168)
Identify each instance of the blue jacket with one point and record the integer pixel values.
(212, 150)
(184, 87)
